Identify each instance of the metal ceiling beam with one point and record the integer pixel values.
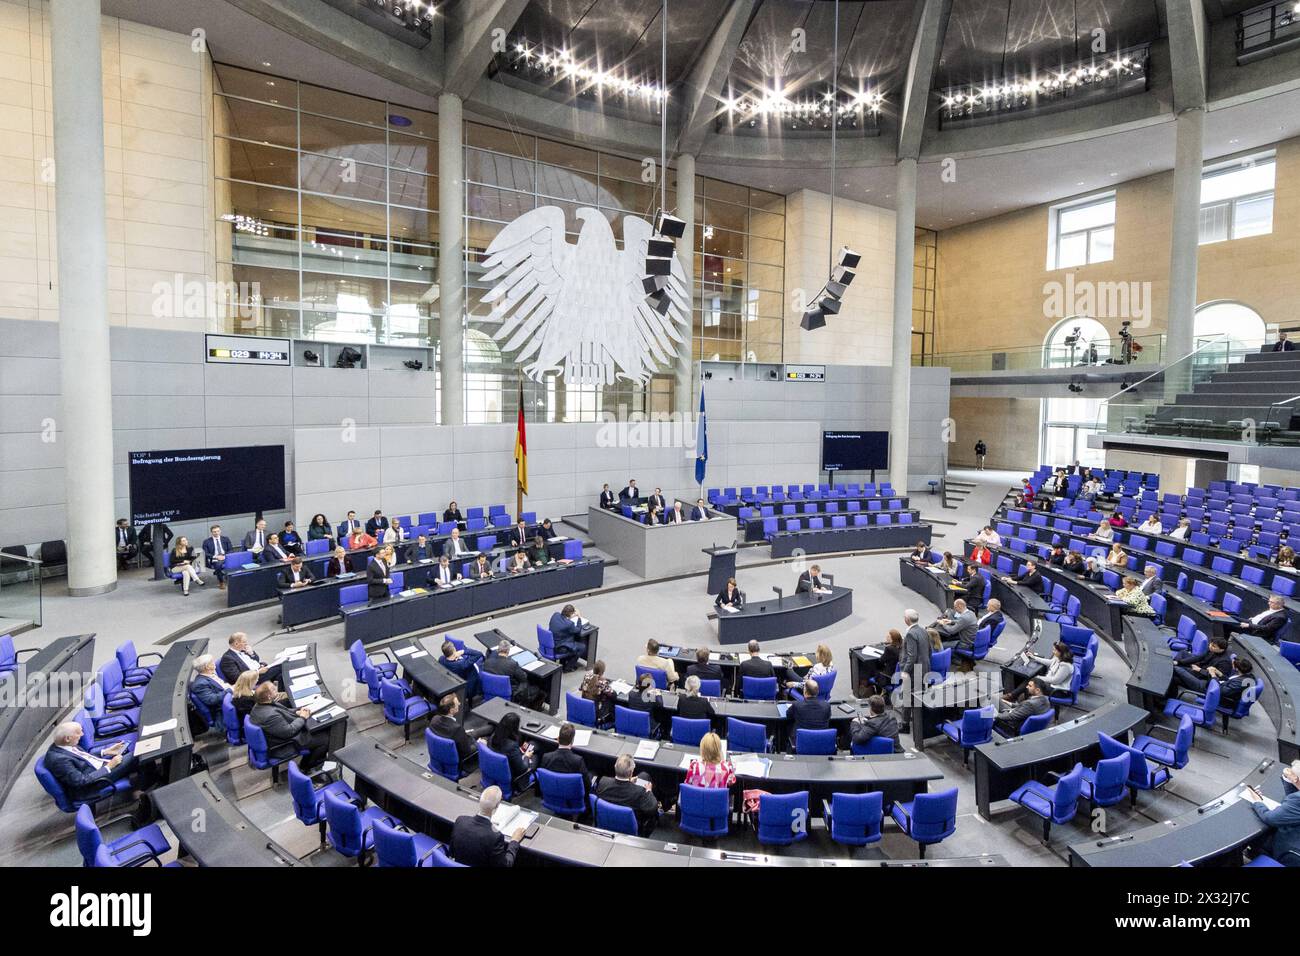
(1188, 36)
(927, 43)
(469, 32)
(702, 89)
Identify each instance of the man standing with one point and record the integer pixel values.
(915, 661)
(631, 494)
(377, 575)
(981, 450)
(127, 543)
(255, 540)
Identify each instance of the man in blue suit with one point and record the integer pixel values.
(700, 511)
(83, 775)
(347, 528)
(463, 664)
(215, 548)
(567, 632)
(208, 687)
(1283, 844)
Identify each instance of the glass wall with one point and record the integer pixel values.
(327, 209)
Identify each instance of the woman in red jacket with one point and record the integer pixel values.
(981, 554)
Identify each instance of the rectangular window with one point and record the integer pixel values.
(1082, 233)
(1237, 199)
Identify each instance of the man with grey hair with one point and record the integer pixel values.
(85, 774)
(1283, 842)
(474, 841)
(957, 628)
(209, 689)
(500, 662)
(690, 705)
(914, 664)
(1150, 583)
(625, 789)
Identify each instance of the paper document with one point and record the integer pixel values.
(318, 703)
(646, 750)
(403, 651)
(510, 818)
(715, 656)
(143, 747)
(620, 687)
(534, 666)
(300, 671)
(148, 730)
(751, 765)
(551, 732)
(419, 654)
(581, 738)
(870, 650)
(729, 608)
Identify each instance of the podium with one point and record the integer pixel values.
(722, 566)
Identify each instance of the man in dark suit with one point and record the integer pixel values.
(1195, 671)
(877, 724)
(657, 500)
(81, 773)
(454, 547)
(421, 549)
(481, 569)
(914, 663)
(126, 542)
(444, 575)
(240, 657)
(570, 644)
(349, 527)
(475, 843)
(447, 724)
(701, 511)
(991, 617)
(631, 494)
(755, 666)
(690, 704)
(810, 713)
(703, 668)
(378, 575)
(1029, 577)
(810, 580)
(521, 691)
(286, 730)
(1151, 584)
(464, 664)
(1283, 344)
(377, 523)
(624, 789)
(1035, 702)
(148, 547)
(1267, 623)
(297, 574)
(607, 498)
(546, 531)
(519, 537)
(564, 759)
(215, 548)
(1283, 840)
(255, 540)
(207, 687)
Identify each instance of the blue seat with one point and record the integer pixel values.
(401, 707)
(495, 769)
(1290, 650)
(563, 794)
(688, 731)
(612, 817)
(658, 675)
(395, 845)
(350, 828)
(1173, 754)
(1106, 784)
(134, 673)
(981, 649)
(230, 720)
(259, 756)
(1239, 710)
(783, 818)
(854, 819)
(710, 688)
(546, 643)
(929, 818)
(758, 688)
(1201, 709)
(495, 685)
(940, 663)
(357, 655)
(1141, 775)
(744, 735)
(874, 746)
(136, 848)
(825, 684)
(976, 728)
(635, 723)
(352, 594)
(1057, 803)
(1070, 697)
(578, 710)
(704, 811)
(444, 758)
(1034, 723)
(309, 799)
(814, 742)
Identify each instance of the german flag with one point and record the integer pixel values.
(521, 446)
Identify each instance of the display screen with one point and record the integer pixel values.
(855, 451)
(197, 483)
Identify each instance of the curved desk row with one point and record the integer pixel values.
(431, 804)
(754, 530)
(937, 587)
(166, 704)
(876, 537)
(1020, 604)
(1151, 663)
(770, 619)
(864, 502)
(1281, 691)
(303, 679)
(226, 837)
(1215, 832)
(36, 704)
(788, 665)
(396, 615)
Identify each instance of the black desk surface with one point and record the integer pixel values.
(166, 698)
(420, 667)
(1151, 661)
(1214, 830)
(228, 838)
(770, 619)
(1114, 718)
(861, 538)
(1281, 690)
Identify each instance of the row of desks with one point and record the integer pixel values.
(754, 526)
(862, 538)
(864, 503)
(770, 619)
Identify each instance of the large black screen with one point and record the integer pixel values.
(195, 483)
(855, 451)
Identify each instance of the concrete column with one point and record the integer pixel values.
(85, 428)
(1183, 245)
(451, 257)
(901, 380)
(683, 401)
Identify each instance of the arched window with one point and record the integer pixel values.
(1078, 340)
(1242, 325)
(1067, 422)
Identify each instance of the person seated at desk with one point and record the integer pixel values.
(274, 552)
(608, 500)
(446, 724)
(1133, 595)
(626, 789)
(297, 574)
(1282, 843)
(881, 679)
(689, 702)
(395, 533)
(290, 540)
(255, 540)
(958, 628)
(377, 523)
(566, 631)
(1151, 526)
(658, 501)
(710, 770)
(878, 723)
(1285, 558)
(421, 549)
(474, 842)
(1105, 531)
(379, 574)
(1239, 678)
(1090, 489)
(1282, 344)
(980, 554)
(1092, 570)
(730, 596)
(81, 773)
(1073, 562)
(505, 740)
(184, 560)
(823, 664)
(454, 547)
(654, 515)
(1029, 577)
(974, 585)
(755, 666)
(518, 537)
(481, 569)
(1266, 623)
(243, 694)
(564, 759)
(349, 527)
(596, 688)
(991, 617)
(989, 538)
(215, 548)
(338, 563)
(546, 530)
(319, 529)
(452, 513)
(444, 575)
(701, 511)
(1011, 714)
(947, 564)
(1117, 520)
(1193, 671)
(521, 691)
(359, 540)
(539, 555)
(1117, 557)
(644, 697)
(1183, 530)
(810, 581)
(240, 657)
(674, 514)
(518, 562)
(630, 495)
(652, 660)
(126, 542)
(286, 730)
(810, 713)
(1151, 583)
(1056, 556)
(464, 663)
(1059, 673)
(704, 668)
(207, 686)
(920, 553)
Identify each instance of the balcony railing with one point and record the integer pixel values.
(20, 591)
(1145, 350)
